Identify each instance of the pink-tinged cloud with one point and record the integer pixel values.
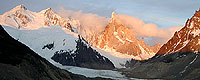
(93, 23)
(90, 23)
(140, 28)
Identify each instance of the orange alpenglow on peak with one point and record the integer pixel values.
(22, 18)
(113, 16)
(119, 40)
(21, 7)
(185, 40)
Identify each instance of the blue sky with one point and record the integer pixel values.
(164, 13)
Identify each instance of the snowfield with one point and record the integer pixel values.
(63, 39)
(35, 34)
(49, 35)
(57, 35)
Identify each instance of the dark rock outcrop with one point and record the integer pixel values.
(48, 46)
(18, 62)
(83, 56)
(183, 66)
(130, 63)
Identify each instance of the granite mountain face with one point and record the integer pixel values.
(120, 41)
(185, 40)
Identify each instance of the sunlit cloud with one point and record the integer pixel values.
(93, 23)
(140, 28)
(90, 23)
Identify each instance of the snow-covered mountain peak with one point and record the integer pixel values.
(113, 16)
(20, 17)
(115, 20)
(17, 17)
(47, 11)
(20, 7)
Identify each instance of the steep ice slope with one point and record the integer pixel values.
(51, 40)
(37, 39)
(47, 33)
(75, 70)
(18, 62)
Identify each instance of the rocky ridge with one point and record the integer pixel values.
(185, 40)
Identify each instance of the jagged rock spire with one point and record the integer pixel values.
(142, 40)
(113, 16)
